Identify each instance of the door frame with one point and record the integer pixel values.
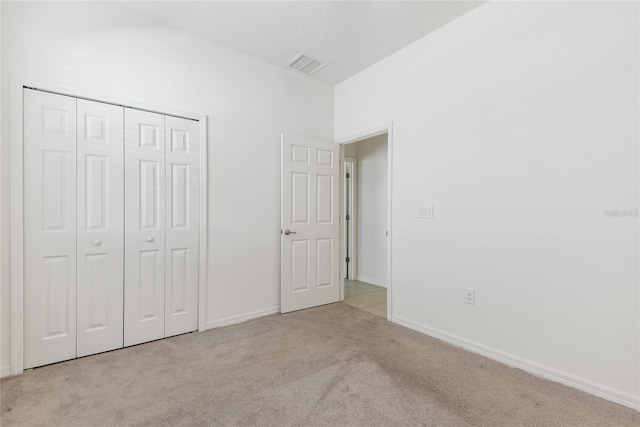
(353, 242)
(16, 219)
(366, 134)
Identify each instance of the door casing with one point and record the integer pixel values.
(366, 134)
(350, 235)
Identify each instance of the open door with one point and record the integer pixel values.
(310, 224)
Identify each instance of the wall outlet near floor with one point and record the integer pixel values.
(470, 296)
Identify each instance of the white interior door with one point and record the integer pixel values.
(49, 228)
(100, 241)
(144, 277)
(310, 223)
(183, 223)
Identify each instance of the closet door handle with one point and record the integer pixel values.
(97, 242)
(149, 239)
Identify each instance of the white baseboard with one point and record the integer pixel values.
(371, 281)
(232, 320)
(605, 392)
(5, 371)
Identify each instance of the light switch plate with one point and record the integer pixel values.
(425, 211)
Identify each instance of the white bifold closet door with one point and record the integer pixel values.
(144, 227)
(183, 225)
(112, 219)
(100, 239)
(73, 227)
(161, 226)
(50, 228)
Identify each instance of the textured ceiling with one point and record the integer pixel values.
(348, 35)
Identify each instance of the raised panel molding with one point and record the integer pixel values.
(300, 266)
(96, 192)
(54, 176)
(324, 199)
(324, 259)
(324, 158)
(53, 120)
(179, 141)
(179, 280)
(180, 196)
(95, 282)
(149, 209)
(299, 154)
(148, 136)
(300, 200)
(56, 297)
(148, 278)
(96, 128)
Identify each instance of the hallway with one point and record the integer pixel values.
(366, 297)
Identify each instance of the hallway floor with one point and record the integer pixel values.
(366, 297)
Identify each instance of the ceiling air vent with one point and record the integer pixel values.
(306, 64)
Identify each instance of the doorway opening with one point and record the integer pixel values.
(366, 223)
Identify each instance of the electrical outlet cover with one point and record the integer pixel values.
(470, 296)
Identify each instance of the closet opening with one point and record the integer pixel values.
(108, 226)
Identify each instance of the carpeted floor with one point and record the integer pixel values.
(333, 365)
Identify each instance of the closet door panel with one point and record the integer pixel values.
(144, 227)
(183, 222)
(100, 163)
(49, 228)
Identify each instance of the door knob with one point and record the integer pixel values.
(287, 232)
(149, 239)
(97, 242)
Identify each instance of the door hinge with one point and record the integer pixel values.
(348, 217)
(348, 259)
(348, 175)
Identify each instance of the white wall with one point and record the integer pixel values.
(372, 210)
(519, 122)
(351, 150)
(4, 270)
(100, 52)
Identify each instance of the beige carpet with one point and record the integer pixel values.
(334, 365)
